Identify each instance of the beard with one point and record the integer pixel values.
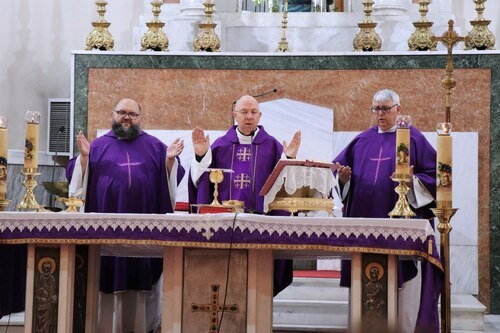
(125, 133)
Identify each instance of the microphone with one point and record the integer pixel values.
(61, 130)
(252, 209)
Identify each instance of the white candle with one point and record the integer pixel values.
(31, 142)
(444, 171)
(3, 157)
(403, 145)
(403, 151)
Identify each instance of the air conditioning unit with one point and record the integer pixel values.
(59, 127)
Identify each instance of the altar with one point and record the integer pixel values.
(55, 254)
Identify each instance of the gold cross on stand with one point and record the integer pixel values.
(450, 38)
(214, 308)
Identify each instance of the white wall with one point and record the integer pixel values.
(37, 38)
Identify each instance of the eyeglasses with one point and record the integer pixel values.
(245, 113)
(384, 109)
(123, 114)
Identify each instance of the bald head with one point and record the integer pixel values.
(247, 114)
(126, 119)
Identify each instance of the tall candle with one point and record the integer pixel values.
(31, 143)
(3, 157)
(444, 169)
(403, 145)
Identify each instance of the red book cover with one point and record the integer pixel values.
(213, 209)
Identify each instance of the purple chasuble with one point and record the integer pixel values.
(252, 164)
(128, 177)
(371, 156)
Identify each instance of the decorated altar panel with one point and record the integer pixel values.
(343, 235)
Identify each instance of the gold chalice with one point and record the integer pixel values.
(216, 177)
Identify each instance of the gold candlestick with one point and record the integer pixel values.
(367, 39)
(283, 44)
(29, 203)
(422, 39)
(444, 211)
(402, 174)
(155, 39)
(480, 38)
(100, 38)
(207, 40)
(3, 163)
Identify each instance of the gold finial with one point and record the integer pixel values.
(480, 38)
(450, 38)
(207, 40)
(155, 39)
(367, 39)
(100, 38)
(283, 44)
(422, 39)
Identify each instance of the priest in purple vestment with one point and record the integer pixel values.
(127, 171)
(364, 170)
(252, 154)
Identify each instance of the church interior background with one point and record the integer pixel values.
(320, 76)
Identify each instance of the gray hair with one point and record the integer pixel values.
(386, 95)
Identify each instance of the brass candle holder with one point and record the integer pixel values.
(444, 213)
(100, 38)
(480, 38)
(216, 177)
(367, 39)
(283, 44)
(29, 203)
(155, 39)
(4, 202)
(402, 207)
(207, 40)
(422, 39)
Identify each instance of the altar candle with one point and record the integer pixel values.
(3, 157)
(403, 145)
(31, 143)
(444, 168)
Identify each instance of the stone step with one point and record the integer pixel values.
(321, 305)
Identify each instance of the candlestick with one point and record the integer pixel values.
(403, 145)
(3, 158)
(31, 144)
(444, 170)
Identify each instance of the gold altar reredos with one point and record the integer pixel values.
(185, 98)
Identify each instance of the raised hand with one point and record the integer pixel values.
(175, 149)
(344, 173)
(201, 143)
(292, 149)
(83, 144)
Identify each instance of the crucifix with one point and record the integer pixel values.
(215, 308)
(450, 38)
